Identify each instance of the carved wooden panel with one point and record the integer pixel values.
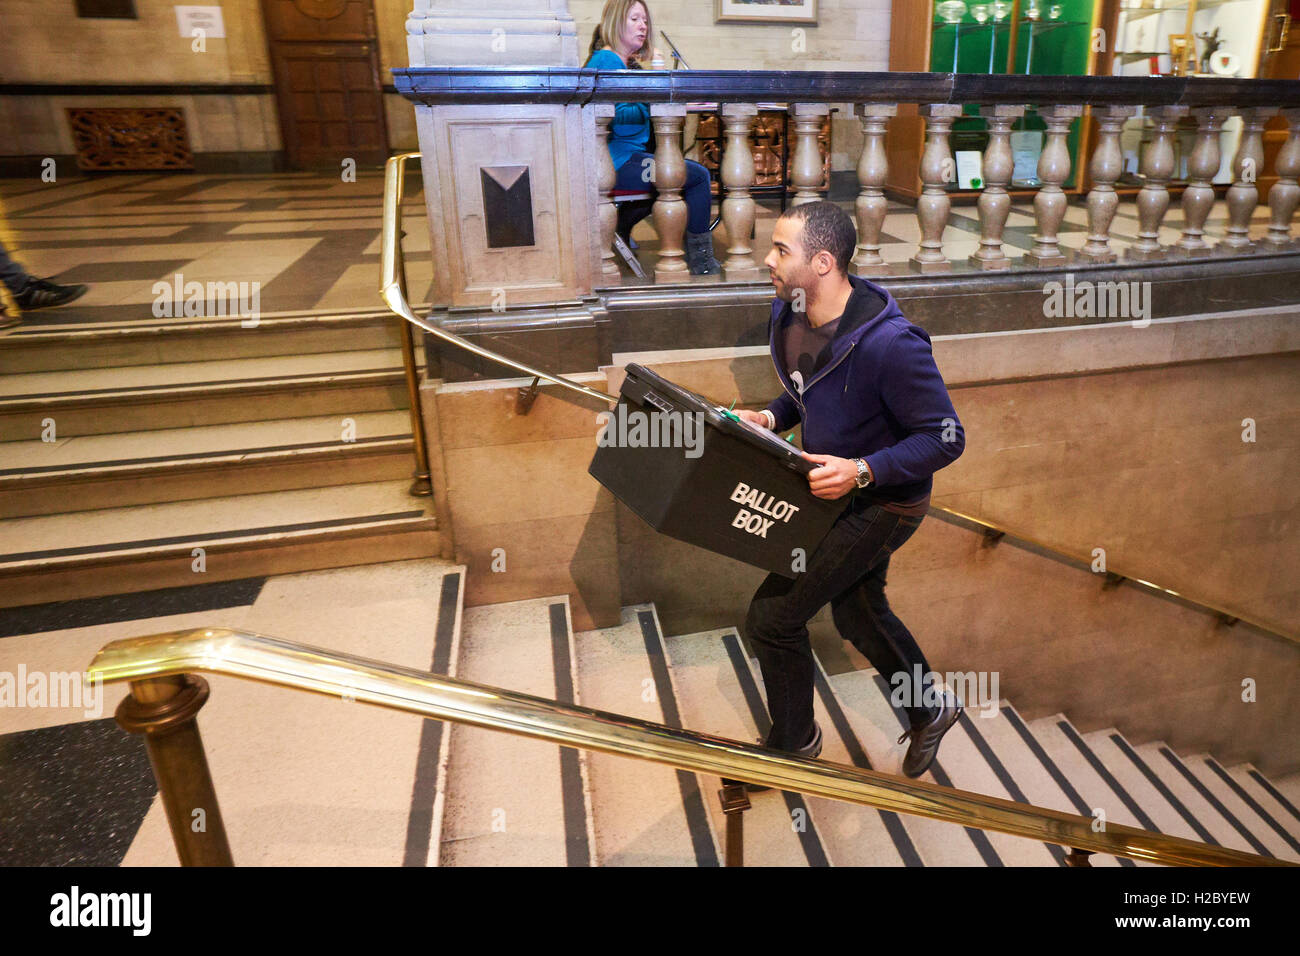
(121, 138)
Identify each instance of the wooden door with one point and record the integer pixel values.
(1279, 60)
(325, 55)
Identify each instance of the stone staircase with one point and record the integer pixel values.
(144, 454)
(512, 800)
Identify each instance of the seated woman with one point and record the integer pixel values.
(621, 41)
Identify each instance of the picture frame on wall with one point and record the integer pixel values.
(765, 11)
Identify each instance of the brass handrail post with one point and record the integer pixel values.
(164, 710)
(735, 801)
(395, 179)
(1077, 857)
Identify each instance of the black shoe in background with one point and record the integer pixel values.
(812, 750)
(44, 294)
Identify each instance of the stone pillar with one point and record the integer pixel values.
(872, 206)
(937, 169)
(995, 202)
(1107, 164)
(1284, 195)
(1153, 198)
(1050, 201)
(670, 212)
(491, 33)
(806, 167)
(1198, 197)
(1243, 194)
(606, 176)
(738, 208)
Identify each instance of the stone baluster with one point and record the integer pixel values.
(1285, 193)
(1153, 197)
(606, 176)
(937, 170)
(872, 206)
(738, 208)
(1243, 194)
(1202, 166)
(806, 168)
(995, 202)
(670, 176)
(1050, 201)
(1107, 165)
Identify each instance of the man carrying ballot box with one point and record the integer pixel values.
(877, 418)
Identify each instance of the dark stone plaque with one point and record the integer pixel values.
(507, 206)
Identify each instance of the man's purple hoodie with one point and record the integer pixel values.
(878, 396)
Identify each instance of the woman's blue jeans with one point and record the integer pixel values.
(636, 174)
(847, 570)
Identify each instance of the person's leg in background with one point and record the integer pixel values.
(698, 193)
(31, 293)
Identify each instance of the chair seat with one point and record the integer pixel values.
(630, 195)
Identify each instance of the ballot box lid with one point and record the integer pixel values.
(644, 387)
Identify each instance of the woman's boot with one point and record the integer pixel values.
(699, 254)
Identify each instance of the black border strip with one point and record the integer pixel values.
(809, 839)
(858, 757)
(577, 850)
(424, 790)
(697, 816)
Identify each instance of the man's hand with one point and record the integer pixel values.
(754, 418)
(834, 479)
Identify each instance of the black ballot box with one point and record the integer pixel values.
(695, 472)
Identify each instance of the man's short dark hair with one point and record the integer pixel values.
(826, 227)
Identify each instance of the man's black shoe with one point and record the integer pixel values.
(44, 294)
(925, 740)
(812, 750)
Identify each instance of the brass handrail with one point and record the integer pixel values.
(392, 285)
(147, 660)
(1000, 532)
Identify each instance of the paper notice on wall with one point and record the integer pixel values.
(207, 19)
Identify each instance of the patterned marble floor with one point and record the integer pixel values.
(312, 241)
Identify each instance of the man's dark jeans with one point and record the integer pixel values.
(847, 570)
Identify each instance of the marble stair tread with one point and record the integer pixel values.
(149, 325)
(102, 383)
(639, 810)
(1076, 760)
(1202, 801)
(713, 702)
(505, 802)
(1032, 768)
(120, 449)
(1289, 787)
(1267, 827)
(144, 526)
(1118, 757)
(872, 719)
(1266, 793)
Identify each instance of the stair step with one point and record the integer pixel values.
(511, 800)
(1281, 807)
(140, 397)
(645, 814)
(866, 704)
(1269, 828)
(151, 341)
(84, 473)
(142, 547)
(1095, 782)
(1289, 787)
(711, 676)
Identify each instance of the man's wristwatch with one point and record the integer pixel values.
(865, 478)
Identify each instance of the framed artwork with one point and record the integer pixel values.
(1182, 48)
(765, 11)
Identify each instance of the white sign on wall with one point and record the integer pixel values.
(207, 19)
